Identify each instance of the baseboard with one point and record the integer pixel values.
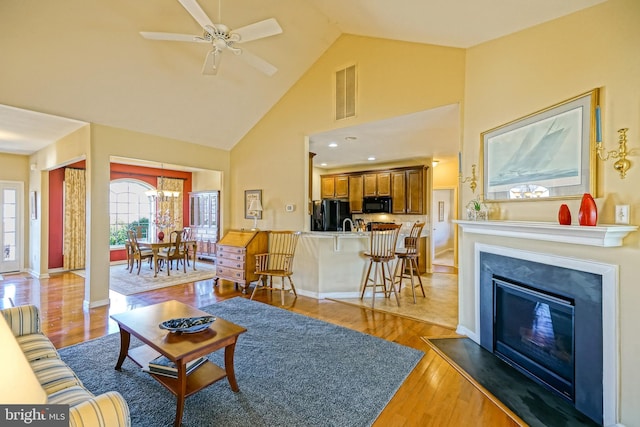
(37, 275)
(86, 305)
(462, 330)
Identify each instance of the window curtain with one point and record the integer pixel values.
(169, 208)
(74, 239)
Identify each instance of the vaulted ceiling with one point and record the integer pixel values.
(85, 59)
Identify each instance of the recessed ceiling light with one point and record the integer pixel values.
(371, 158)
(323, 164)
(333, 145)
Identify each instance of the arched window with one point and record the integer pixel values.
(129, 209)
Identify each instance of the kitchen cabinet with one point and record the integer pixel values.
(236, 256)
(415, 191)
(204, 222)
(406, 186)
(355, 193)
(398, 190)
(334, 186)
(408, 191)
(377, 184)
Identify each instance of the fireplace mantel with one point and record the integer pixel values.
(606, 235)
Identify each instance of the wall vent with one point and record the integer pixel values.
(346, 93)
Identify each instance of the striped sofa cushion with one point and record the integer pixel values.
(107, 409)
(22, 320)
(36, 346)
(54, 375)
(69, 396)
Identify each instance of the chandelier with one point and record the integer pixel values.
(160, 194)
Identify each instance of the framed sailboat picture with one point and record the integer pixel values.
(547, 154)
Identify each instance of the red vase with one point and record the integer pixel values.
(160, 235)
(588, 214)
(564, 215)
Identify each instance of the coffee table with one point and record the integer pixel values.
(180, 348)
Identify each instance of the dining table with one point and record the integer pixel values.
(155, 244)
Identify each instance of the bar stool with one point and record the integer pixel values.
(382, 251)
(408, 259)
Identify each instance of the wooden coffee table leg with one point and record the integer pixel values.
(181, 392)
(125, 338)
(228, 366)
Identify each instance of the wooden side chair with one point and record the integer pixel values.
(175, 252)
(187, 235)
(135, 253)
(277, 262)
(381, 252)
(407, 265)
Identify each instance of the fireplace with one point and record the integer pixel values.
(546, 316)
(534, 332)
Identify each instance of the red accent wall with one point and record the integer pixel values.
(56, 217)
(118, 171)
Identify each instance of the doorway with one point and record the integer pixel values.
(10, 236)
(443, 236)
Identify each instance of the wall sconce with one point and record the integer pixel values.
(472, 180)
(622, 165)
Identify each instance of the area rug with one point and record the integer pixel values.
(507, 387)
(125, 283)
(292, 370)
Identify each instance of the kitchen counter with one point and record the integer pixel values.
(331, 264)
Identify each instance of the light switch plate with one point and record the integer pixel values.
(622, 214)
(290, 207)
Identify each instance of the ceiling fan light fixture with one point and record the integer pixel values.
(221, 37)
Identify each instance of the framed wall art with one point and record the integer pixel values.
(250, 196)
(547, 154)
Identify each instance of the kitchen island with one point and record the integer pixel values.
(330, 264)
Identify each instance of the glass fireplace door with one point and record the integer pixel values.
(534, 332)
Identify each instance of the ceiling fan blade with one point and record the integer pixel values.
(172, 37)
(211, 63)
(267, 28)
(196, 12)
(258, 63)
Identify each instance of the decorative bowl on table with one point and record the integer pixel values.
(187, 325)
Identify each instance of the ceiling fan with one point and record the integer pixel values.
(221, 38)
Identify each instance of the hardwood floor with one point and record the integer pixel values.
(434, 394)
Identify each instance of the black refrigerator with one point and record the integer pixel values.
(328, 214)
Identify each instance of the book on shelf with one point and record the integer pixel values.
(161, 365)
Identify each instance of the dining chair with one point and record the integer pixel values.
(381, 252)
(277, 262)
(408, 260)
(175, 252)
(187, 235)
(135, 253)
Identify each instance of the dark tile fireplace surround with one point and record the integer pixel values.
(583, 292)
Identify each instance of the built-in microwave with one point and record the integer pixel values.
(380, 204)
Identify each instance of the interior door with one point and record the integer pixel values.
(442, 236)
(10, 236)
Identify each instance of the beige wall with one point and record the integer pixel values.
(394, 78)
(536, 68)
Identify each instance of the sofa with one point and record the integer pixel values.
(59, 382)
